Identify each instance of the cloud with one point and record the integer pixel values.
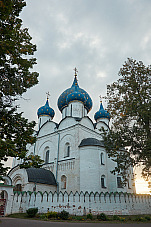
(94, 36)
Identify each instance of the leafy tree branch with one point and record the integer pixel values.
(129, 103)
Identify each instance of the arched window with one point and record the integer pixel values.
(47, 157)
(103, 182)
(3, 195)
(17, 182)
(102, 158)
(67, 150)
(63, 182)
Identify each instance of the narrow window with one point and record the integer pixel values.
(103, 183)
(63, 182)
(65, 111)
(40, 123)
(67, 150)
(47, 157)
(71, 109)
(128, 184)
(119, 182)
(102, 158)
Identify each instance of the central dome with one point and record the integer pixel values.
(63, 100)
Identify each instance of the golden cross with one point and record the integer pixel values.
(100, 98)
(48, 94)
(76, 71)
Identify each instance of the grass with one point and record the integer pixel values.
(89, 218)
(18, 215)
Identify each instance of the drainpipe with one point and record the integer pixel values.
(34, 147)
(35, 143)
(57, 164)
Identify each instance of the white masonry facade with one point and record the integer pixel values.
(72, 150)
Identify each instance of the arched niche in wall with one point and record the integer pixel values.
(18, 183)
(67, 146)
(63, 182)
(44, 147)
(46, 155)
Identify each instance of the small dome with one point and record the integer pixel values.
(46, 110)
(77, 93)
(102, 113)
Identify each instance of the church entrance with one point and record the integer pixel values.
(3, 200)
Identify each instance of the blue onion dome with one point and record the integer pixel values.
(46, 110)
(102, 113)
(78, 94)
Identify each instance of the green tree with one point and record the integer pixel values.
(129, 103)
(16, 76)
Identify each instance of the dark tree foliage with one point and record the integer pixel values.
(15, 45)
(16, 77)
(32, 161)
(129, 103)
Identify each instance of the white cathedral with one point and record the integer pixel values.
(73, 150)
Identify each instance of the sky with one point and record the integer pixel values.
(95, 36)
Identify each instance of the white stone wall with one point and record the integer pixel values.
(40, 187)
(86, 122)
(111, 204)
(91, 169)
(106, 120)
(77, 109)
(82, 168)
(69, 166)
(74, 109)
(101, 124)
(42, 120)
(8, 195)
